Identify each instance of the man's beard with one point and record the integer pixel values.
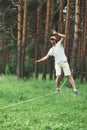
(53, 43)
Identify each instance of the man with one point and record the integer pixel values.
(57, 50)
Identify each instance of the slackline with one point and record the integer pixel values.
(29, 100)
(14, 104)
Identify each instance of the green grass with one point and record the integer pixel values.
(32, 105)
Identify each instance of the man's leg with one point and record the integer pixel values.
(72, 82)
(58, 78)
(67, 73)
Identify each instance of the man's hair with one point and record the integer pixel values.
(53, 37)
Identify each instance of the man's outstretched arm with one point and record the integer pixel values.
(43, 58)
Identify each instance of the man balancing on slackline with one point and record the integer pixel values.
(57, 50)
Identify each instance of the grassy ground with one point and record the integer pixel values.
(33, 105)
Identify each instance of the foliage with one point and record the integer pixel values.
(7, 48)
(11, 66)
(8, 21)
(29, 67)
(7, 69)
(29, 60)
(33, 105)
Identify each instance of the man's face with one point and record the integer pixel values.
(53, 41)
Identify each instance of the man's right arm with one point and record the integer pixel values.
(43, 58)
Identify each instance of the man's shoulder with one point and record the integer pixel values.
(59, 42)
(51, 48)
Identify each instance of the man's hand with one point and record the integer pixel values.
(43, 58)
(54, 32)
(37, 61)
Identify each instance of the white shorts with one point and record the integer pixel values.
(64, 66)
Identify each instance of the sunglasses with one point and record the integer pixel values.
(52, 39)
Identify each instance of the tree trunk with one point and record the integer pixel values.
(83, 58)
(52, 14)
(46, 38)
(75, 43)
(60, 21)
(37, 39)
(51, 61)
(24, 38)
(19, 37)
(67, 30)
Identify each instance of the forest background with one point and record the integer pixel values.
(25, 28)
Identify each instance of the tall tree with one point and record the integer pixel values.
(23, 38)
(60, 21)
(19, 37)
(52, 14)
(51, 61)
(76, 35)
(37, 37)
(67, 29)
(46, 37)
(84, 41)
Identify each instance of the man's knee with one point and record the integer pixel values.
(70, 77)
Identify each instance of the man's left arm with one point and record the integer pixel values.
(62, 36)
